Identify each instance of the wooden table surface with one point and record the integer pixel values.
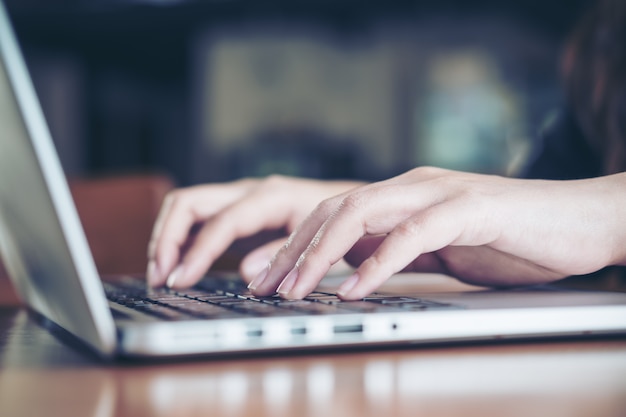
(42, 376)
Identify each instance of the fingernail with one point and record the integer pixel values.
(152, 273)
(174, 276)
(348, 284)
(285, 287)
(259, 278)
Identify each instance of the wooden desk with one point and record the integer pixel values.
(41, 376)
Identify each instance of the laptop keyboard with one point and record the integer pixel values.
(224, 298)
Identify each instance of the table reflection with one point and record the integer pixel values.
(42, 376)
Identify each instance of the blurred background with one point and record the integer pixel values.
(205, 90)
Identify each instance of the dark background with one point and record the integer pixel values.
(123, 92)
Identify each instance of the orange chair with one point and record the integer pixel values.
(117, 214)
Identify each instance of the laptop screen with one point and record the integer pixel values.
(41, 239)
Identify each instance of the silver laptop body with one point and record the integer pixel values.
(46, 253)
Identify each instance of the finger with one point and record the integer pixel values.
(365, 247)
(370, 211)
(285, 259)
(257, 260)
(267, 282)
(204, 201)
(334, 227)
(181, 210)
(158, 224)
(169, 235)
(250, 215)
(437, 227)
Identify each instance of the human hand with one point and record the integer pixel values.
(197, 224)
(485, 230)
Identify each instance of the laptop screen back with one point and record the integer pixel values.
(41, 240)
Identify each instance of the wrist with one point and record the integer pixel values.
(616, 216)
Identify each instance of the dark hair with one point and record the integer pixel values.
(594, 68)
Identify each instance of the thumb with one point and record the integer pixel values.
(364, 248)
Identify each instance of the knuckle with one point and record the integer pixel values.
(246, 181)
(277, 187)
(274, 181)
(428, 171)
(373, 262)
(446, 182)
(354, 201)
(327, 207)
(177, 198)
(302, 259)
(375, 265)
(312, 251)
(171, 197)
(410, 227)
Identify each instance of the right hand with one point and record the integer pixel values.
(223, 213)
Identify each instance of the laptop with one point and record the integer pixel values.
(45, 251)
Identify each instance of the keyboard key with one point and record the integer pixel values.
(222, 299)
